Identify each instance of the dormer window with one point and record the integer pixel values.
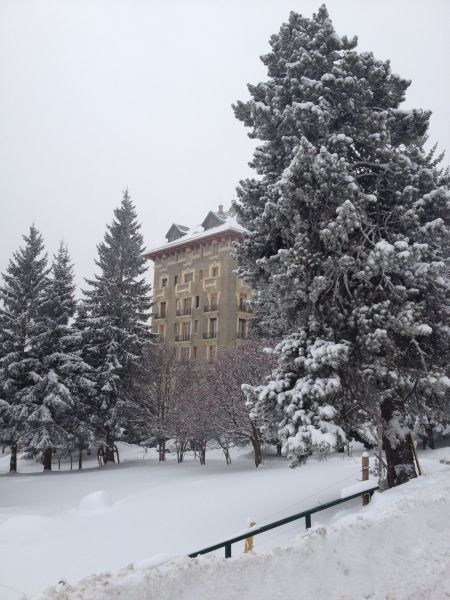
(175, 232)
(214, 219)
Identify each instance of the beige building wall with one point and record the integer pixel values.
(199, 304)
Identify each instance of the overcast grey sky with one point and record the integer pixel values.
(97, 95)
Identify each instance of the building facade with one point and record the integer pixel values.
(199, 304)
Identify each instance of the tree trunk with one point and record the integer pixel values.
(80, 457)
(226, 451)
(399, 455)
(47, 459)
(256, 443)
(202, 455)
(13, 459)
(279, 447)
(162, 450)
(109, 450)
(430, 436)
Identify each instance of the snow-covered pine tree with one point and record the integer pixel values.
(349, 235)
(63, 384)
(22, 293)
(115, 321)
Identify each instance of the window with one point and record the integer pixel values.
(214, 271)
(242, 329)
(184, 353)
(175, 280)
(162, 331)
(242, 301)
(197, 301)
(213, 327)
(164, 282)
(194, 352)
(215, 249)
(211, 352)
(162, 309)
(187, 306)
(186, 330)
(213, 302)
(195, 326)
(176, 329)
(200, 275)
(188, 277)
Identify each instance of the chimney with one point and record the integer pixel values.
(220, 209)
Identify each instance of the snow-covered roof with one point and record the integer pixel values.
(199, 233)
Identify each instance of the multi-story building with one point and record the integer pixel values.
(199, 304)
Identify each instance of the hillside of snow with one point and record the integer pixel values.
(397, 548)
(65, 525)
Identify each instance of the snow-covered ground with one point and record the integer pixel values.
(66, 525)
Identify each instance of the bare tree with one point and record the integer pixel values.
(233, 368)
(155, 391)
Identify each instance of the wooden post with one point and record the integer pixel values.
(365, 475)
(248, 546)
(413, 448)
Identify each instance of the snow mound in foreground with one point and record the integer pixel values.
(397, 548)
(95, 503)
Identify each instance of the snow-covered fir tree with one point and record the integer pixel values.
(115, 319)
(22, 324)
(59, 414)
(349, 238)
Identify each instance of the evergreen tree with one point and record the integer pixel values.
(349, 236)
(115, 320)
(55, 418)
(21, 316)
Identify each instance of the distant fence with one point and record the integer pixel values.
(305, 514)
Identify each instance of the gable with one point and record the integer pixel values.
(176, 231)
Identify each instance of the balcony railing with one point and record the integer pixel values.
(210, 335)
(182, 287)
(184, 311)
(160, 293)
(242, 335)
(209, 281)
(161, 315)
(244, 308)
(210, 307)
(184, 337)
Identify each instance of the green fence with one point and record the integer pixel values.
(305, 514)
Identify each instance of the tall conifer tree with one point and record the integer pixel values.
(115, 320)
(63, 384)
(22, 325)
(348, 243)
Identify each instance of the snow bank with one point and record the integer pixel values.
(396, 548)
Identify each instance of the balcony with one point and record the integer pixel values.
(161, 315)
(160, 294)
(245, 308)
(210, 335)
(183, 288)
(242, 335)
(210, 307)
(209, 282)
(184, 337)
(184, 311)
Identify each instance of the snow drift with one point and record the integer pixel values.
(398, 548)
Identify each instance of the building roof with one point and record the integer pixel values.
(228, 223)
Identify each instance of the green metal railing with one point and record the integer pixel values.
(305, 514)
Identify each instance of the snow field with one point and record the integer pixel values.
(397, 548)
(66, 525)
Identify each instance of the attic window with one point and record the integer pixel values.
(175, 232)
